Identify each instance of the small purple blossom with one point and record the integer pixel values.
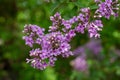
(84, 16)
(37, 63)
(94, 46)
(80, 28)
(70, 35)
(56, 22)
(32, 33)
(28, 41)
(94, 27)
(79, 64)
(66, 24)
(73, 20)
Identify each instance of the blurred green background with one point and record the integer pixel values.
(14, 14)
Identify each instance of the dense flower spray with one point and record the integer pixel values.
(57, 41)
(107, 8)
(50, 45)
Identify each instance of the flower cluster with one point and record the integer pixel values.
(80, 63)
(33, 33)
(107, 8)
(57, 41)
(51, 45)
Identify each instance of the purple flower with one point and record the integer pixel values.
(79, 64)
(86, 10)
(28, 40)
(84, 23)
(52, 61)
(37, 63)
(35, 52)
(56, 22)
(57, 41)
(51, 45)
(33, 34)
(66, 24)
(107, 8)
(69, 35)
(55, 44)
(85, 15)
(94, 46)
(94, 27)
(73, 20)
(98, 23)
(80, 28)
